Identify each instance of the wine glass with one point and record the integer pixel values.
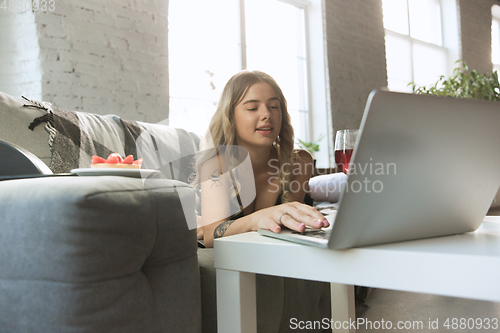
(344, 146)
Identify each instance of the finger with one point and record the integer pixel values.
(279, 219)
(307, 215)
(289, 221)
(274, 226)
(319, 218)
(309, 210)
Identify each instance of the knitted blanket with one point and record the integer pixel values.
(170, 150)
(75, 136)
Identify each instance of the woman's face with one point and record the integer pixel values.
(258, 116)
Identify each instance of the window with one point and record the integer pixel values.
(416, 42)
(209, 41)
(203, 54)
(495, 37)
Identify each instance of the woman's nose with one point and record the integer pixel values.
(266, 113)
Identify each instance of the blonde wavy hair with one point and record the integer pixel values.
(222, 129)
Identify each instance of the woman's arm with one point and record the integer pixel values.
(293, 215)
(218, 203)
(216, 208)
(303, 168)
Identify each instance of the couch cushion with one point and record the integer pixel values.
(97, 254)
(327, 187)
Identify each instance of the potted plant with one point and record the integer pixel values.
(311, 147)
(465, 83)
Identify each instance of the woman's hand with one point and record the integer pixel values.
(293, 215)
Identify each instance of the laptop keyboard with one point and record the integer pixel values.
(325, 208)
(321, 234)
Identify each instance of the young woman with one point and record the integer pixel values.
(252, 118)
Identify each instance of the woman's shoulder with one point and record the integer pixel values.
(215, 158)
(302, 156)
(303, 162)
(210, 166)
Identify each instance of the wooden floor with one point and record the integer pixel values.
(417, 310)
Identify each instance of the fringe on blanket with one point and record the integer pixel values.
(47, 118)
(72, 141)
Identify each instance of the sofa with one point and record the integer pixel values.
(106, 253)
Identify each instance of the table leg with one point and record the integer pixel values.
(236, 302)
(343, 307)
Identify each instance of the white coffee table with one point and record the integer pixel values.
(466, 266)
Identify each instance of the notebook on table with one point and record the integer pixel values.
(423, 166)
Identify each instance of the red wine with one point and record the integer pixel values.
(342, 159)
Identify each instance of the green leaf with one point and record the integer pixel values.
(311, 147)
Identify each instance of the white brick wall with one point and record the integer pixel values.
(106, 57)
(96, 56)
(475, 27)
(20, 71)
(356, 57)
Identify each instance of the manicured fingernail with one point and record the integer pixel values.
(326, 223)
(277, 228)
(301, 225)
(319, 222)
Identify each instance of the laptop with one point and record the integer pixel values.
(423, 166)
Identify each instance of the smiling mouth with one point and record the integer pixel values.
(264, 129)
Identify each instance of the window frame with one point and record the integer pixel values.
(316, 88)
(449, 37)
(495, 17)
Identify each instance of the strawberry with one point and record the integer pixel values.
(114, 159)
(128, 160)
(97, 159)
(138, 162)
